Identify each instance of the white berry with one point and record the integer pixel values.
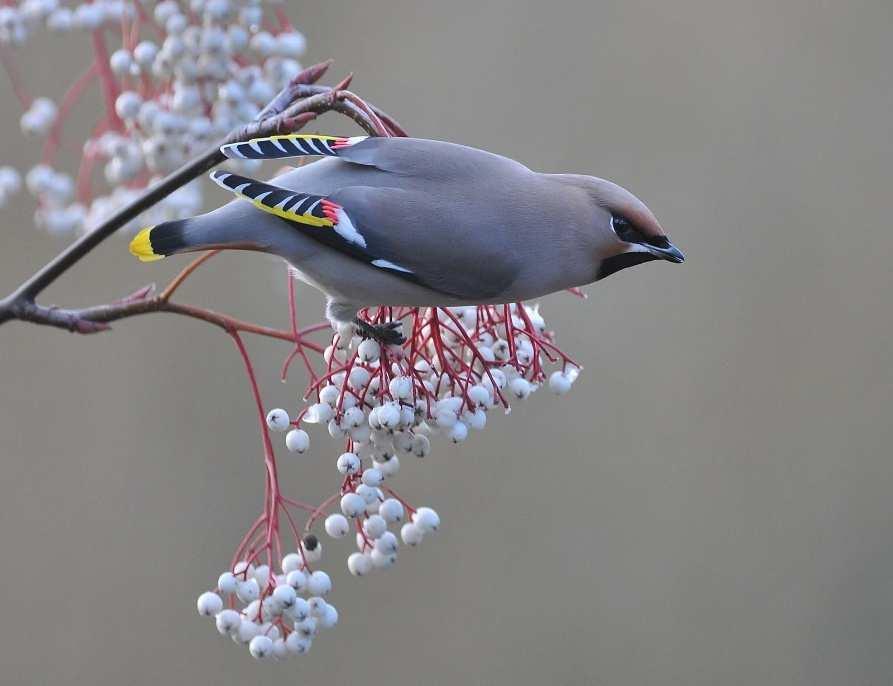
(352, 505)
(297, 644)
(520, 387)
(329, 394)
(262, 575)
(278, 420)
(297, 441)
(559, 383)
(260, 647)
(382, 560)
(426, 519)
(209, 604)
(369, 351)
(280, 651)
(248, 590)
(246, 631)
(228, 621)
(391, 510)
(348, 463)
(319, 583)
(375, 526)
(411, 534)
(329, 617)
(386, 543)
(458, 433)
(400, 387)
(297, 579)
(291, 562)
(337, 525)
(372, 477)
(359, 564)
(421, 446)
(227, 583)
(389, 467)
(319, 413)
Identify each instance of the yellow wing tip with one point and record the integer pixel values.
(141, 246)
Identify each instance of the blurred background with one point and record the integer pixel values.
(711, 504)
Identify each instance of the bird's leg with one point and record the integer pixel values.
(388, 333)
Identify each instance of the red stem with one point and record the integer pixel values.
(272, 495)
(69, 100)
(110, 88)
(18, 85)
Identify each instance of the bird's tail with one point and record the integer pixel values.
(203, 232)
(154, 242)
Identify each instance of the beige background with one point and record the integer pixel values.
(712, 503)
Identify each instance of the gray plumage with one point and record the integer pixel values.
(431, 223)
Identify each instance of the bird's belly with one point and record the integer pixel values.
(351, 281)
(348, 280)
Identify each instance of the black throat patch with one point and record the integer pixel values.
(622, 261)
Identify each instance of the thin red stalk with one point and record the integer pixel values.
(298, 504)
(319, 511)
(313, 328)
(539, 340)
(347, 370)
(284, 22)
(18, 84)
(145, 17)
(366, 542)
(293, 527)
(509, 333)
(83, 182)
(474, 351)
(109, 83)
(69, 100)
(245, 540)
(269, 457)
(299, 349)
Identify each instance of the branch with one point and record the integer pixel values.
(144, 301)
(292, 108)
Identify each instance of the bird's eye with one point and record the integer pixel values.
(627, 233)
(625, 230)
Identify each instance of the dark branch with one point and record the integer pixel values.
(144, 301)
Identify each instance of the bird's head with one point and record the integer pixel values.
(627, 232)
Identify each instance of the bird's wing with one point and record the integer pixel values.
(413, 157)
(290, 145)
(314, 215)
(453, 243)
(427, 239)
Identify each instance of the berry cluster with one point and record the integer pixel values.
(183, 76)
(381, 402)
(457, 364)
(278, 614)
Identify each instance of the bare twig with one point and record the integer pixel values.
(144, 301)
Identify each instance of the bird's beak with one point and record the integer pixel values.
(668, 252)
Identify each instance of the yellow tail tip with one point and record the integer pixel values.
(141, 246)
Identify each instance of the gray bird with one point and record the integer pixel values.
(408, 221)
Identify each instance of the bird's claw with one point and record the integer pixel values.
(387, 333)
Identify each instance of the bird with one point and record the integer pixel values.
(394, 221)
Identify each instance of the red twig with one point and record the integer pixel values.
(69, 100)
(110, 88)
(18, 85)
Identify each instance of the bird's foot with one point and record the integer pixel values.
(387, 334)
